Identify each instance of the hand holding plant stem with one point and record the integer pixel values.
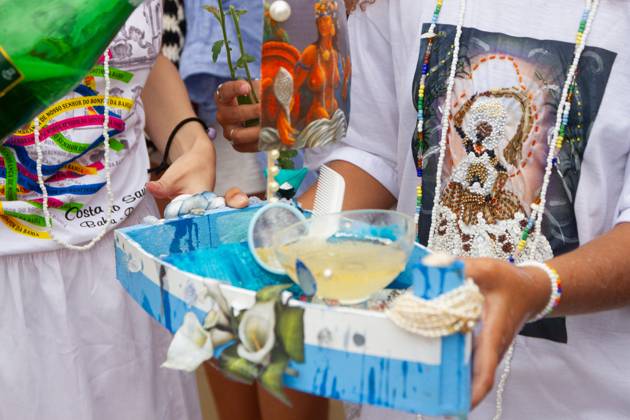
(286, 156)
(244, 59)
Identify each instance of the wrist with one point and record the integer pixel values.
(194, 140)
(546, 288)
(539, 288)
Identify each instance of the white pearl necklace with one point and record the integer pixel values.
(445, 116)
(108, 180)
(452, 312)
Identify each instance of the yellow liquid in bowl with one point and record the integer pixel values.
(348, 271)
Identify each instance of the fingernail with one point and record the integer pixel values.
(244, 89)
(240, 200)
(212, 133)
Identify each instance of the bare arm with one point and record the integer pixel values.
(166, 103)
(362, 190)
(595, 277)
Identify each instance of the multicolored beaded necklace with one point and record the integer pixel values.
(556, 140)
(420, 127)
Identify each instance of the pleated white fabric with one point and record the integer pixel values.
(75, 346)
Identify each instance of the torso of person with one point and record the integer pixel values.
(71, 132)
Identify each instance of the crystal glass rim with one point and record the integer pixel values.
(308, 221)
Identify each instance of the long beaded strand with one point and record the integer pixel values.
(555, 144)
(445, 118)
(562, 118)
(108, 180)
(430, 34)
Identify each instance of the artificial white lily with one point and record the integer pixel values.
(214, 292)
(256, 333)
(191, 346)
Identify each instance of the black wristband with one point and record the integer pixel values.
(164, 165)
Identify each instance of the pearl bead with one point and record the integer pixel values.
(275, 154)
(280, 11)
(273, 186)
(273, 199)
(274, 171)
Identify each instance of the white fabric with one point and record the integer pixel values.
(236, 169)
(588, 378)
(133, 51)
(75, 346)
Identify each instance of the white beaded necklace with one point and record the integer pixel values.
(564, 108)
(108, 180)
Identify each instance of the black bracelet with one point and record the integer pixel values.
(164, 165)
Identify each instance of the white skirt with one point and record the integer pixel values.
(75, 346)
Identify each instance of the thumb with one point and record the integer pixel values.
(162, 188)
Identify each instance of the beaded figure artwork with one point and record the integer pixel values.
(476, 213)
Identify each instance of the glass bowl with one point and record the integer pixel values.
(346, 256)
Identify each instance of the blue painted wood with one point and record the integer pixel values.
(419, 388)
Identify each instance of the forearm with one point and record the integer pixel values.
(166, 103)
(362, 190)
(595, 276)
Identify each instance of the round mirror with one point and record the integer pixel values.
(270, 219)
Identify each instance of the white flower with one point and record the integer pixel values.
(191, 346)
(257, 333)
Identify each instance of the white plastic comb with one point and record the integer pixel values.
(331, 189)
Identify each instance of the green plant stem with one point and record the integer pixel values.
(228, 50)
(237, 25)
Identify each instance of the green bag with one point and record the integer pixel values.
(47, 47)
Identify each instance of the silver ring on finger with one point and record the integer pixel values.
(218, 93)
(231, 134)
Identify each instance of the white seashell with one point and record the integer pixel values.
(216, 203)
(208, 195)
(172, 209)
(196, 202)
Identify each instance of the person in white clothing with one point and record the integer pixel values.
(502, 125)
(74, 345)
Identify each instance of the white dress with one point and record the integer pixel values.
(73, 344)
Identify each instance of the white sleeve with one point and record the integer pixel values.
(371, 141)
(623, 205)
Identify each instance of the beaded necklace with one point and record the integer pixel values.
(108, 181)
(420, 127)
(555, 141)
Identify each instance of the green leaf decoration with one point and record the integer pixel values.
(290, 330)
(244, 60)
(271, 378)
(241, 12)
(236, 368)
(270, 293)
(216, 50)
(214, 11)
